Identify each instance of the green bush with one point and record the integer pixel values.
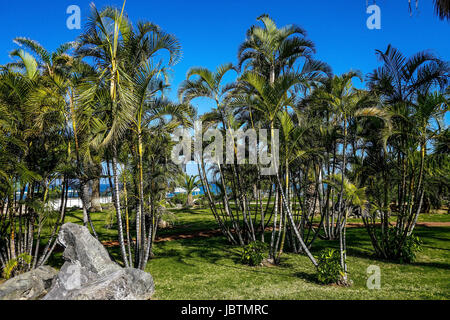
(179, 198)
(202, 201)
(253, 253)
(110, 219)
(329, 269)
(406, 252)
(16, 266)
(412, 245)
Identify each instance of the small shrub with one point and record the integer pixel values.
(401, 251)
(110, 219)
(409, 249)
(16, 266)
(179, 198)
(202, 201)
(329, 269)
(253, 253)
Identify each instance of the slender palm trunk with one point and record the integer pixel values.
(117, 204)
(289, 213)
(140, 231)
(127, 220)
(96, 205)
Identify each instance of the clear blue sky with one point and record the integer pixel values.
(211, 31)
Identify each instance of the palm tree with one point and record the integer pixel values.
(209, 84)
(431, 106)
(105, 34)
(125, 55)
(151, 109)
(442, 8)
(63, 73)
(148, 80)
(189, 183)
(403, 84)
(270, 99)
(31, 126)
(352, 198)
(48, 63)
(270, 51)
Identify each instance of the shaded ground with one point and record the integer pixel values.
(216, 233)
(192, 235)
(419, 224)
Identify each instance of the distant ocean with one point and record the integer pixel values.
(105, 191)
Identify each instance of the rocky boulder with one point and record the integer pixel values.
(89, 273)
(32, 285)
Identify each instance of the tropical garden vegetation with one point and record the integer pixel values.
(96, 109)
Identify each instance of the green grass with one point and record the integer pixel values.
(440, 217)
(210, 268)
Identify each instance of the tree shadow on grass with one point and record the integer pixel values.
(438, 265)
(193, 211)
(210, 250)
(436, 248)
(308, 277)
(217, 251)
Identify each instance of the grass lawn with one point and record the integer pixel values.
(209, 268)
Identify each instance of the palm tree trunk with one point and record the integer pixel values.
(12, 236)
(140, 212)
(289, 213)
(48, 251)
(96, 205)
(127, 219)
(420, 190)
(272, 241)
(117, 204)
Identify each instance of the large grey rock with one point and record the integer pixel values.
(89, 273)
(32, 285)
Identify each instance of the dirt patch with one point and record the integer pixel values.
(419, 224)
(192, 235)
(434, 224)
(215, 233)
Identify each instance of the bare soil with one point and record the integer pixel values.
(215, 233)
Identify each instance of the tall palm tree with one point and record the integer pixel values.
(39, 127)
(270, 50)
(105, 34)
(402, 83)
(63, 73)
(270, 98)
(204, 83)
(429, 107)
(125, 59)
